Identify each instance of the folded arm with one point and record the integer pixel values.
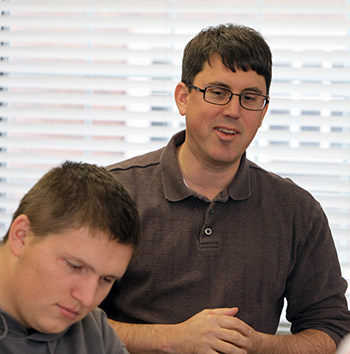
(218, 331)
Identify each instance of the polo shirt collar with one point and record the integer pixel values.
(239, 188)
(172, 180)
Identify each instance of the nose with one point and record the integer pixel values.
(233, 108)
(85, 291)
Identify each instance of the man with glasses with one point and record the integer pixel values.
(225, 242)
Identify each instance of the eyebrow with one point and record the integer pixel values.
(109, 276)
(221, 84)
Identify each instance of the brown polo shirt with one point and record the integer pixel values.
(261, 240)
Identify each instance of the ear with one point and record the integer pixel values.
(181, 95)
(19, 231)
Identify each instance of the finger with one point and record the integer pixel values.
(232, 311)
(234, 324)
(235, 338)
(223, 347)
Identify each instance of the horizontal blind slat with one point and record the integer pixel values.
(165, 7)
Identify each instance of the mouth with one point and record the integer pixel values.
(227, 131)
(68, 312)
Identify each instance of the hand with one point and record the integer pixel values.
(214, 331)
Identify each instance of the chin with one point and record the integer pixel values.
(51, 329)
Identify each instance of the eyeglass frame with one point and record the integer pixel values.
(203, 91)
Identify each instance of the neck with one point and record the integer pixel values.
(6, 267)
(203, 178)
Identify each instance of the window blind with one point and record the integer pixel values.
(93, 81)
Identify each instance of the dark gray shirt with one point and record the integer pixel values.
(91, 335)
(261, 240)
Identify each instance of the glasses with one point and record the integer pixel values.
(221, 96)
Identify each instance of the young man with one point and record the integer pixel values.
(224, 242)
(70, 239)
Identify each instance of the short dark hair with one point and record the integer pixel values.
(76, 195)
(239, 47)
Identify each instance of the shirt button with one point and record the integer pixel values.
(208, 231)
(211, 211)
